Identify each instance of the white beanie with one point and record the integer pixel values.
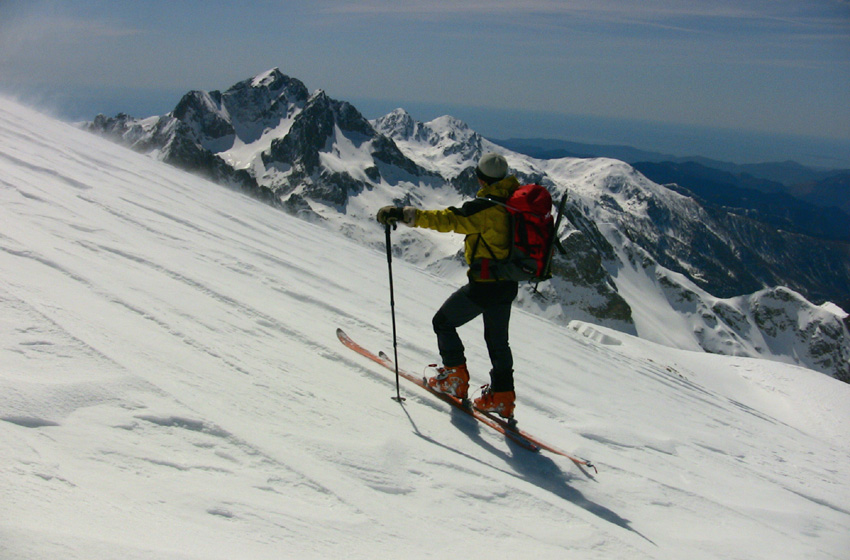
(492, 167)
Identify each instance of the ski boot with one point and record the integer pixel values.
(453, 381)
(502, 402)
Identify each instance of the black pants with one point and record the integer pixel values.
(492, 300)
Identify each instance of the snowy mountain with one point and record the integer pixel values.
(630, 241)
(171, 387)
(267, 135)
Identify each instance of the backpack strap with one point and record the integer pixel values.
(483, 269)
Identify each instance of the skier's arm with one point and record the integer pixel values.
(470, 218)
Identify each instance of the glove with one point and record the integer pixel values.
(390, 215)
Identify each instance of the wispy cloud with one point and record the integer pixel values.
(694, 15)
(39, 20)
(28, 38)
(68, 28)
(39, 41)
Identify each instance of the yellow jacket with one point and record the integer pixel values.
(484, 222)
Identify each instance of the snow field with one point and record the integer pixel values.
(171, 386)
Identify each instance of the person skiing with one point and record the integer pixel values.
(486, 224)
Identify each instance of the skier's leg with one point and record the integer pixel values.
(457, 310)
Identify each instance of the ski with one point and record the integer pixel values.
(500, 425)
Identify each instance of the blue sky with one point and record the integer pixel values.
(770, 67)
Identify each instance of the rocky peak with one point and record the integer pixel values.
(204, 115)
(243, 111)
(398, 125)
(271, 79)
(308, 134)
(314, 129)
(791, 325)
(443, 144)
(269, 89)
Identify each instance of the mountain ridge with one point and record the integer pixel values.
(329, 164)
(822, 188)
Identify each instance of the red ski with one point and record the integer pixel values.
(498, 424)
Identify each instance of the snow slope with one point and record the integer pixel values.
(171, 387)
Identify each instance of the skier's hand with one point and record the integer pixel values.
(390, 215)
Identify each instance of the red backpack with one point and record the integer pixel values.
(532, 240)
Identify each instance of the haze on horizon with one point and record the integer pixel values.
(751, 68)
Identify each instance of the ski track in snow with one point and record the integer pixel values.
(171, 387)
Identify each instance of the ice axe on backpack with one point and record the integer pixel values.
(554, 242)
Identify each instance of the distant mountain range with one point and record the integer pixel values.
(786, 194)
(669, 263)
(786, 173)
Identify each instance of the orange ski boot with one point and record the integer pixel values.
(451, 380)
(502, 402)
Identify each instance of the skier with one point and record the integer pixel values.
(486, 225)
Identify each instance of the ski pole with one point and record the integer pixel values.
(398, 396)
